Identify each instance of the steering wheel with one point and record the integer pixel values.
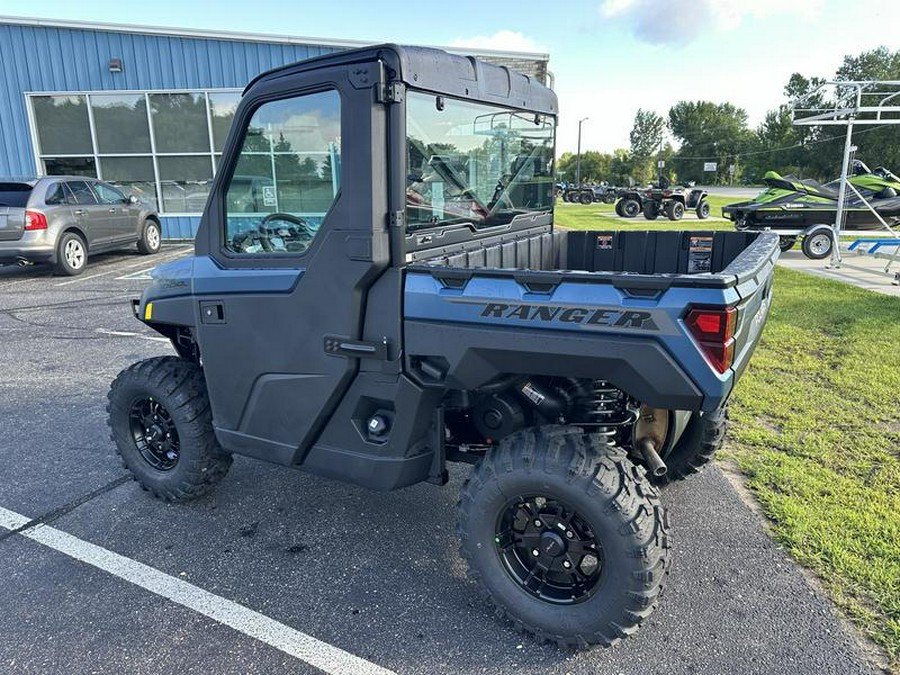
(294, 239)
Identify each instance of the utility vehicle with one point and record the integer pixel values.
(400, 300)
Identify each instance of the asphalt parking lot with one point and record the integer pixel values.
(282, 556)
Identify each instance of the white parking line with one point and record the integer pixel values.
(316, 653)
(170, 255)
(90, 276)
(128, 333)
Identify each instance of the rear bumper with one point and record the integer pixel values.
(34, 247)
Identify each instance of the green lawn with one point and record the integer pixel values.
(816, 430)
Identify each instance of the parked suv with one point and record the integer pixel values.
(62, 219)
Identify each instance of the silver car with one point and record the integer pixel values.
(63, 219)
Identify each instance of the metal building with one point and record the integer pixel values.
(145, 108)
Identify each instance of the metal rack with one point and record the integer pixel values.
(852, 103)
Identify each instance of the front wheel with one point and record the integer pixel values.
(587, 198)
(818, 245)
(565, 536)
(162, 426)
(703, 210)
(151, 238)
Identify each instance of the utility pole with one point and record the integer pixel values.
(578, 157)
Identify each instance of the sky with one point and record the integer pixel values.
(609, 57)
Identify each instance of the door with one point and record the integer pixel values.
(123, 225)
(92, 217)
(286, 255)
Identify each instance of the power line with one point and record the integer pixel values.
(785, 147)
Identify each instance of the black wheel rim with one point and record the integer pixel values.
(154, 433)
(549, 550)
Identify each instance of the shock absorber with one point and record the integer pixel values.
(610, 410)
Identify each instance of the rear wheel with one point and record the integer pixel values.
(675, 210)
(704, 435)
(565, 536)
(817, 245)
(618, 208)
(703, 210)
(151, 238)
(630, 207)
(651, 211)
(71, 254)
(587, 198)
(162, 426)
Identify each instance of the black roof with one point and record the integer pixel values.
(440, 72)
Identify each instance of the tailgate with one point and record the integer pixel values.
(12, 223)
(755, 272)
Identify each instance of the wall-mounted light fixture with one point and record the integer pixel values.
(115, 65)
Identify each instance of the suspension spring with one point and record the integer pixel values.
(610, 410)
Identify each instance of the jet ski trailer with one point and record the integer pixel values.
(851, 103)
(804, 208)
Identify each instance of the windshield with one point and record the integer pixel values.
(476, 163)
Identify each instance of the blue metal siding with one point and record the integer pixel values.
(36, 58)
(179, 227)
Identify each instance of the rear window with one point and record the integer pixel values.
(14, 194)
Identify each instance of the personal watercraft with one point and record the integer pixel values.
(789, 203)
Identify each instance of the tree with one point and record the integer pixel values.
(709, 132)
(816, 151)
(646, 139)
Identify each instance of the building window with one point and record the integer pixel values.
(63, 126)
(162, 147)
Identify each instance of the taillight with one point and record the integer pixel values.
(34, 220)
(713, 329)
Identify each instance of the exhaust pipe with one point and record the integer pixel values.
(654, 462)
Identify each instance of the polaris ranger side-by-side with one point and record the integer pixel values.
(394, 297)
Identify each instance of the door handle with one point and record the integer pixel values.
(79, 212)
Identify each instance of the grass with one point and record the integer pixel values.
(816, 431)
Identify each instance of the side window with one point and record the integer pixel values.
(56, 194)
(81, 193)
(286, 177)
(108, 194)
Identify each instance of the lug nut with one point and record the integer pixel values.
(567, 564)
(538, 523)
(570, 534)
(535, 552)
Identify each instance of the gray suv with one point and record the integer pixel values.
(62, 219)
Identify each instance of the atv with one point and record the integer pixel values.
(673, 202)
(628, 202)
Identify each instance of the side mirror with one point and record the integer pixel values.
(131, 199)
